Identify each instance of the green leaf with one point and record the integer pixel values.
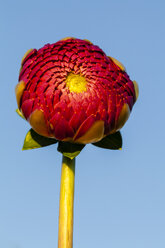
(70, 150)
(34, 140)
(20, 114)
(112, 141)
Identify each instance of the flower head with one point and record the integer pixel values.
(72, 91)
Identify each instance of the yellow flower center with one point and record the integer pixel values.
(76, 83)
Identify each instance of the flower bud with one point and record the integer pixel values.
(73, 92)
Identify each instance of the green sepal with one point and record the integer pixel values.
(70, 150)
(34, 140)
(19, 113)
(112, 141)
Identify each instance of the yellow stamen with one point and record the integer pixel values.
(76, 83)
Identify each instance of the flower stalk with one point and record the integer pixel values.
(65, 235)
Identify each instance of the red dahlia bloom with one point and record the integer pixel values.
(72, 91)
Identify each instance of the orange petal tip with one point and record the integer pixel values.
(19, 91)
(68, 38)
(136, 88)
(88, 41)
(118, 63)
(94, 134)
(37, 121)
(28, 51)
(123, 117)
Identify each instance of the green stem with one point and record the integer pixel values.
(65, 235)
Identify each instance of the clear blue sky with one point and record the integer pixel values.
(119, 195)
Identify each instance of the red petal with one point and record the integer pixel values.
(77, 119)
(62, 129)
(85, 126)
(27, 107)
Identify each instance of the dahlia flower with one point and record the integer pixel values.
(72, 93)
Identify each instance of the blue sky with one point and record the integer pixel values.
(119, 195)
